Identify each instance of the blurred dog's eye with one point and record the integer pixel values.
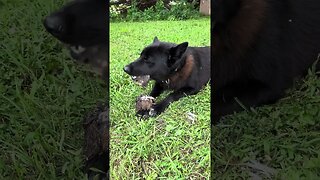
(147, 60)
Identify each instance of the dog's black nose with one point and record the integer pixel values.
(54, 25)
(126, 69)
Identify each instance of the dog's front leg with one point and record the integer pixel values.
(248, 98)
(176, 95)
(157, 90)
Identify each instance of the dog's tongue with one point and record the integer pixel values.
(141, 80)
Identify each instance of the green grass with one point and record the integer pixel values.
(43, 97)
(284, 136)
(168, 146)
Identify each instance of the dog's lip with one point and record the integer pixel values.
(141, 76)
(136, 74)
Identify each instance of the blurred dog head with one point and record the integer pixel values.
(83, 26)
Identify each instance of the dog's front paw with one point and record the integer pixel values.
(152, 112)
(143, 113)
(156, 110)
(146, 113)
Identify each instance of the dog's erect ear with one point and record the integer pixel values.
(176, 53)
(155, 40)
(178, 50)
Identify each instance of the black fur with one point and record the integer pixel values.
(182, 69)
(83, 26)
(81, 22)
(259, 48)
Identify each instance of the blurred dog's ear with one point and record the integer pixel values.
(156, 40)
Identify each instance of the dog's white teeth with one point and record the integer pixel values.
(77, 49)
(73, 48)
(134, 77)
(81, 48)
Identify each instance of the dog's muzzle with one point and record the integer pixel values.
(127, 69)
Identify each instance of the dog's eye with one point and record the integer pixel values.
(145, 58)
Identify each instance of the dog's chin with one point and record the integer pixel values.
(94, 56)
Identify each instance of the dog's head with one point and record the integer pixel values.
(159, 60)
(83, 26)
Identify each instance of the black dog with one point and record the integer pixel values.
(83, 26)
(183, 69)
(259, 48)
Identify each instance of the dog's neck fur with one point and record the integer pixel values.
(180, 73)
(242, 30)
